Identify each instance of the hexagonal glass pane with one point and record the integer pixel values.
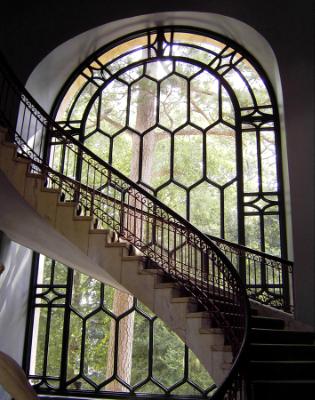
(205, 209)
(174, 197)
(74, 354)
(173, 102)
(142, 113)
(99, 144)
(204, 100)
(168, 355)
(85, 293)
(132, 74)
(156, 158)
(125, 347)
(113, 107)
(221, 154)
(140, 349)
(126, 154)
(97, 364)
(186, 69)
(159, 69)
(188, 156)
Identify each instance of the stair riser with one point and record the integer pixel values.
(284, 353)
(282, 337)
(279, 371)
(266, 323)
(282, 391)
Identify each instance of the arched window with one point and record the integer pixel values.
(190, 116)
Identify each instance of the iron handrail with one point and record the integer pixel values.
(199, 266)
(268, 278)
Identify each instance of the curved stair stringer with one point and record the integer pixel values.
(94, 253)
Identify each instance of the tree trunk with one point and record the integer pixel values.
(122, 360)
(122, 301)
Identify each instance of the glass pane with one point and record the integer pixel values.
(168, 355)
(114, 107)
(125, 347)
(238, 84)
(250, 162)
(85, 293)
(268, 161)
(97, 363)
(44, 275)
(221, 154)
(74, 346)
(156, 158)
(122, 48)
(272, 235)
(38, 341)
(142, 115)
(140, 355)
(188, 156)
(70, 97)
(99, 144)
(255, 82)
(205, 208)
(126, 154)
(55, 342)
(60, 274)
(230, 213)
(228, 113)
(252, 232)
(82, 101)
(204, 41)
(173, 102)
(174, 197)
(204, 106)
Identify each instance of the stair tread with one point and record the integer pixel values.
(211, 331)
(282, 330)
(283, 361)
(283, 381)
(297, 345)
(263, 317)
(198, 314)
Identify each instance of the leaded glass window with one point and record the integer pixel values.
(86, 338)
(192, 118)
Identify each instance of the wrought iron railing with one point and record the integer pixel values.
(186, 255)
(268, 279)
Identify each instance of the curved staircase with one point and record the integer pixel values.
(115, 262)
(145, 248)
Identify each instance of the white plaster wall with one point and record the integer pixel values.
(14, 288)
